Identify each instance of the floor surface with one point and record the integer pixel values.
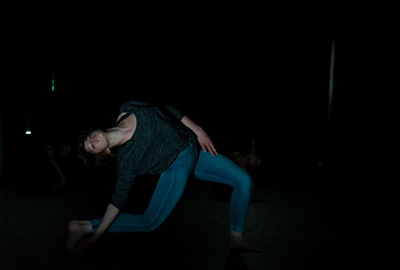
(298, 226)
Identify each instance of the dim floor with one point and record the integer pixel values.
(298, 226)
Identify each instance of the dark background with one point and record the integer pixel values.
(242, 74)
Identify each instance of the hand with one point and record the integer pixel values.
(85, 242)
(205, 142)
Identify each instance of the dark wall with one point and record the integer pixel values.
(260, 75)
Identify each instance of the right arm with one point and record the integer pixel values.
(120, 195)
(108, 218)
(118, 200)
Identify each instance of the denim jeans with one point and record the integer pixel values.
(172, 183)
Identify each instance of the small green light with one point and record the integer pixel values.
(52, 85)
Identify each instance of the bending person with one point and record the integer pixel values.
(158, 140)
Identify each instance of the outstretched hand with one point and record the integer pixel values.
(206, 142)
(86, 241)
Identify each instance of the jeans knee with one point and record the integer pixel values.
(153, 225)
(150, 224)
(245, 183)
(151, 228)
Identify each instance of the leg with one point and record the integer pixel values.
(222, 170)
(166, 195)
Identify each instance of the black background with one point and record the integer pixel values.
(242, 73)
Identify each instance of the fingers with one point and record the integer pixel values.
(210, 148)
(204, 147)
(84, 242)
(207, 144)
(213, 150)
(81, 245)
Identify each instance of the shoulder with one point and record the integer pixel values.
(131, 107)
(133, 104)
(120, 115)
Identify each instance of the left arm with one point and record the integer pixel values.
(202, 136)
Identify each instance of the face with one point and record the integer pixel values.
(96, 142)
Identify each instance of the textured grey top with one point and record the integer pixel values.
(159, 137)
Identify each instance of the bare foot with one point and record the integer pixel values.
(240, 244)
(77, 229)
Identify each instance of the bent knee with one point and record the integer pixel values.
(151, 228)
(152, 225)
(244, 183)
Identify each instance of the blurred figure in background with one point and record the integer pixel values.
(247, 162)
(43, 163)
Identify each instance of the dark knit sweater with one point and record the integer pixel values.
(158, 138)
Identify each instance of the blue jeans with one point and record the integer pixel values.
(172, 182)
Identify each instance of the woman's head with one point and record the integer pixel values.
(96, 142)
(93, 146)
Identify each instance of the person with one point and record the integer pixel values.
(155, 139)
(53, 157)
(42, 161)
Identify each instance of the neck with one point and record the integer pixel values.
(118, 135)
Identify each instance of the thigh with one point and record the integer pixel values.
(219, 168)
(172, 183)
